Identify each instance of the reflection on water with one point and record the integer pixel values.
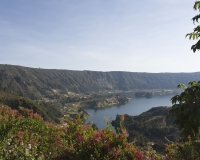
(134, 107)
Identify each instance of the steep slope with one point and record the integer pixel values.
(47, 110)
(37, 83)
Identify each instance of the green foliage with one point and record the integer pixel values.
(196, 33)
(24, 135)
(88, 143)
(49, 111)
(150, 126)
(186, 110)
(188, 150)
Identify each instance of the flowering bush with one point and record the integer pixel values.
(24, 135)
(87, 143)
(189, 150)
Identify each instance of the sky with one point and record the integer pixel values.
(99, 35)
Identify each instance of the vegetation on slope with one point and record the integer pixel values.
(50, 112)
(150, 126)
(51, 83)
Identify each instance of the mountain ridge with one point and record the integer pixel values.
(36, 83)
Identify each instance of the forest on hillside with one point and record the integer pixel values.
(51, 83)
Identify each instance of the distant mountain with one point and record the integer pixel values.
(37, 83)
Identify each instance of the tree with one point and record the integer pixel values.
(186, 110)
(196, 33)
(186, 106)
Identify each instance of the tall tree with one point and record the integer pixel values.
(186, 106)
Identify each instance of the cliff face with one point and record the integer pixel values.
(36, 83)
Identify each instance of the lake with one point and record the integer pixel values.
(135, 107)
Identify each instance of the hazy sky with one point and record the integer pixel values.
(99, 35)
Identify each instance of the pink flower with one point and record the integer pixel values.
(125, 133)
(79, 136)
(85, 126)
(20, 133)
(138, 156)
(116, 152)
(68, 150)
(97, 136)
(16, 141)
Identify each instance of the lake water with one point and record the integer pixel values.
(135, 107)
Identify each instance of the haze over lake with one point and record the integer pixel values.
(135, 107)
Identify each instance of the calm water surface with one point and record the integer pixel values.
(134, 107)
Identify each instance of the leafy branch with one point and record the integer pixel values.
(196, 33)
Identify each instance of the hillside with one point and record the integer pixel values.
(49, 111)
(49, 83)
(150, 126)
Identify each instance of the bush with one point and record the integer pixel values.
(188, 150)
(24, 135)
(86, 142)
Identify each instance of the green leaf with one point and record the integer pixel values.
(198, 94)
(181, 86)
(192, 83)
(174, 99)
(196, 5)
(190, 36)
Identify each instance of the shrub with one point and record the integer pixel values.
(86, 142)
(24, 135)
(188, 150)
